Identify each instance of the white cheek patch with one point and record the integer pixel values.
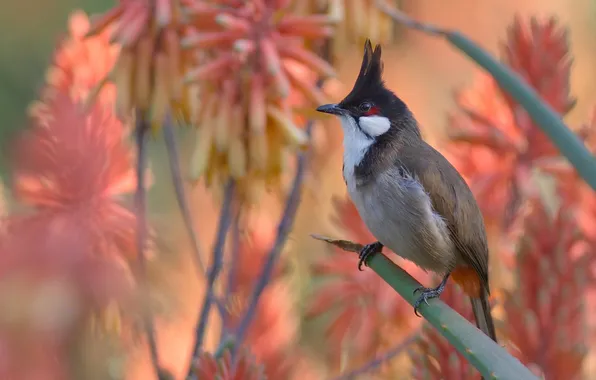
(374, 125)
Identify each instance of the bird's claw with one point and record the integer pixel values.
(368, 251)
(427, 294)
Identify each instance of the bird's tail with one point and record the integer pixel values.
(484, 319)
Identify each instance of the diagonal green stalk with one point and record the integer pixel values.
(490, 359)
(539, 111)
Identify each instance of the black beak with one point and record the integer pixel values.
(332, 109)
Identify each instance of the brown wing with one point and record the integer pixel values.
(453, 200)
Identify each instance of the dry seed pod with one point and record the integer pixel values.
(204, 141)
(258, 151)
(237, 150)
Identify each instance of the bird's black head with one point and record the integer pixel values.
(370, 106)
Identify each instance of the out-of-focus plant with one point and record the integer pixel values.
(250, 59)
(366, 316)
(495, 144)
(500, 135)
(246, 69)
(546, 313)
(208, 366)
(149, 69)
(66, 257)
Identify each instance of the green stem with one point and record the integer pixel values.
(490, 359)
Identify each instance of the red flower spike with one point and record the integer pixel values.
(435, 358)
(493, 130)
(545, 313)
(575, 194)
(208, 367)
(362, 304)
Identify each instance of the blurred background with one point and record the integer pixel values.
(423, 71)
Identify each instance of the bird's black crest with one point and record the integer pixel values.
(370, 76)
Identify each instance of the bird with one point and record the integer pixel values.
(410, 197)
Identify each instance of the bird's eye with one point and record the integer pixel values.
(365, 107)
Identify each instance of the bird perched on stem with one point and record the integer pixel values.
(409, 196)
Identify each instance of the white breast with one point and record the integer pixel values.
(356, 145)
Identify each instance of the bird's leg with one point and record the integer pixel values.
(429, 293)
(368, 251)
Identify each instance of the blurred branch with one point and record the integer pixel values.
(141, 128)
(491, 360)
(283, 231)
(232, 272)
(539, 111)
(378, 361)
(172, 148)
(225, 219)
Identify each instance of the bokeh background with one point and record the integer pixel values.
(423, 71)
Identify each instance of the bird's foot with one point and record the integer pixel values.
(368, 251)
(427, 294)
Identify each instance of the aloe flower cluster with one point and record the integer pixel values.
(500, 150)
(148, 73)
(495, 144)
(546, 311)
(66, 255)
(247, 69)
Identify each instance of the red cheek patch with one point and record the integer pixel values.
(374, 110)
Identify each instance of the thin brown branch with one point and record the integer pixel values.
(283, 231)
(172, 148)
(225, 220)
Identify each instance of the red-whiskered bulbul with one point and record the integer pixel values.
(409, 196)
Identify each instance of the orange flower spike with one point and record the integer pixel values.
(241, 45)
